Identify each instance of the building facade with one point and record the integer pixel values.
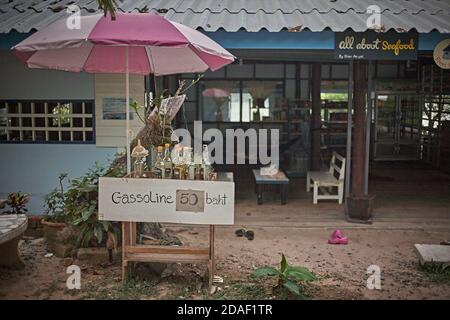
(287, 76)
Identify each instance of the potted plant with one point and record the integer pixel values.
(17, 203)
(54, 220)
(82, 208)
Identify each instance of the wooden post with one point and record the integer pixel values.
(125, 244)
(211, 257)
(359, 205)
(348, 150)
(359, 132)
(315, 117)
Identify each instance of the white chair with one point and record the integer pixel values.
(334, 177)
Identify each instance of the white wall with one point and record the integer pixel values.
(112, 133)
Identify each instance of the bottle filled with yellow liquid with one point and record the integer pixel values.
(158, 168)
(168, 165)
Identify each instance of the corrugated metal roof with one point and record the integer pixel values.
(250, 15)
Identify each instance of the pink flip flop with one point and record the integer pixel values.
(338, 238)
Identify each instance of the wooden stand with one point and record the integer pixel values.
(133, 252)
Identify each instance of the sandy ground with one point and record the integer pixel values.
(341, 269)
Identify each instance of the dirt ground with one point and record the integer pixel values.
(341, 270)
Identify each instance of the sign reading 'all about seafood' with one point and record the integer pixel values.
(371, 45)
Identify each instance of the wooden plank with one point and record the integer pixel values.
(161, 257)
(211, 257)
(336, 167)
(338, 156)
(167, 250)
(436, 253)
(155, 200)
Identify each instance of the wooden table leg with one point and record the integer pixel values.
(126, 241)
(260, 197)
(211, 258)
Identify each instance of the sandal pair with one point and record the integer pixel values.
(249, 234)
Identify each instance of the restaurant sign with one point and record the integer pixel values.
(371, 45)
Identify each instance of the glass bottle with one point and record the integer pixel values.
(158, 168)
(178, 167)
(139, 154)
(190, 168)
(168, 165)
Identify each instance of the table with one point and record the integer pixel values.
(278, 179)
(12, 226)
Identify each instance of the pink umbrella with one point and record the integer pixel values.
(215, 93)
(137, 43)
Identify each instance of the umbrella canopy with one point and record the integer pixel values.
(216, 93)
(156, 45)
(137, 43)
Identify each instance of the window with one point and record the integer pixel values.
(220, 101)
(47, 121)
(260, 99)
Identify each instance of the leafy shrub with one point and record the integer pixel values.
(17, 203)
(55, 202)
(288, 276)
(82, 205)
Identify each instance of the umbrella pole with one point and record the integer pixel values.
(127, 110)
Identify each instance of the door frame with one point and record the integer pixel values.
(396, 140)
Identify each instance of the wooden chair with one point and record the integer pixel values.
(334, 177)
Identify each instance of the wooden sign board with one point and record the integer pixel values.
(159, 200)
(371, 45)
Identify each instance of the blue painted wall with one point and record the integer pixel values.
(264, 39)
(305, 40)
(34, 168)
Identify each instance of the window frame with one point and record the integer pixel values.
(46, 128)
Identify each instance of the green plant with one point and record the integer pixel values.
(55, 202)
(62, 113)
(288, 276)
(439, 273)
(17, 203)
(157, 128)
(108, 6)
(82, 206)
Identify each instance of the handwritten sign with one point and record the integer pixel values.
(190, 200)
(176, 201)
(371, 45)
(169, 106)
